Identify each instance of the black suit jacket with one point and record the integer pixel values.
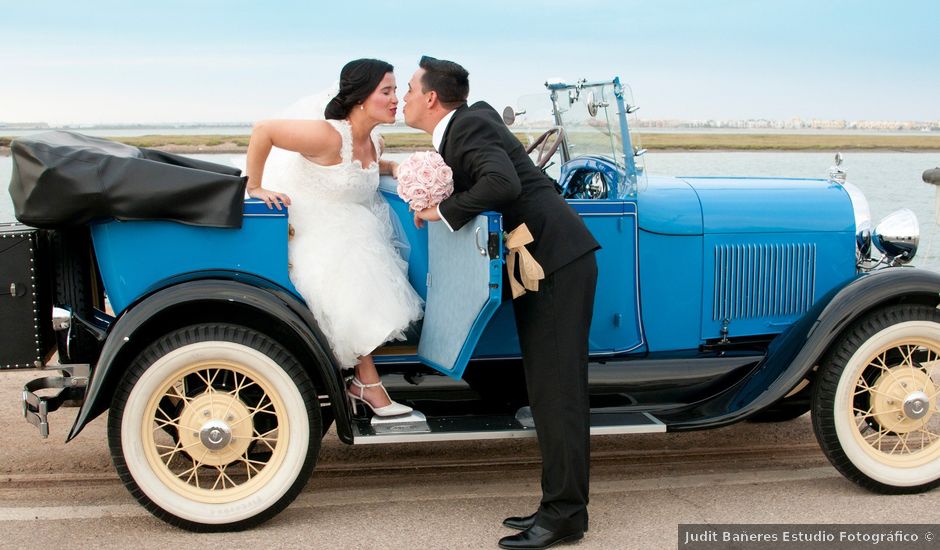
(493, 172)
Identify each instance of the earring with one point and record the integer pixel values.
(361, 107)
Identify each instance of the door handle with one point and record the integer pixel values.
(15, 290)
(476, 237)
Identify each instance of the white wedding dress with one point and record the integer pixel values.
(342, 256)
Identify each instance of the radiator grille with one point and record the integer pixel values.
(763, 280)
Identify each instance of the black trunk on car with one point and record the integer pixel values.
(25, 294)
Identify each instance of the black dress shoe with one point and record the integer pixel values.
(537, 537)
(520, 523)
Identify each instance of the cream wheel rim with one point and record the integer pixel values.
(894, 400)
(220, 455)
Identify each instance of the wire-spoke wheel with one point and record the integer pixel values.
(876, 408)
(212, 428)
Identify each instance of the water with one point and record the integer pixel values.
(889, 180)
(780, 131)
(136, 131)
(236, 129)
(182, 130)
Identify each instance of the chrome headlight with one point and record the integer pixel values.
(897, 235)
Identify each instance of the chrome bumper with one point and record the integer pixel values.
(71, 385)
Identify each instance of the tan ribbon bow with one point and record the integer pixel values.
(529, 269)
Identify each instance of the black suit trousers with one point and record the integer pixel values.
(553, 325)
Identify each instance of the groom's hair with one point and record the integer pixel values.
(448, 79)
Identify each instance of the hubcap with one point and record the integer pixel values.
(917, 405)
(215, 435)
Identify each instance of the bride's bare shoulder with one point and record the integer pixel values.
(312, 138)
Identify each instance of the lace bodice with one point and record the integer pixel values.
(347, 181)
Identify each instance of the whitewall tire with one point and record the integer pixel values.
(876, 405)
(212, 428)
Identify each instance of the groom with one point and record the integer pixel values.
(493, 172)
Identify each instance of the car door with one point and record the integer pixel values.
(464, 288)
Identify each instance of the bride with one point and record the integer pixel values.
(343, 259)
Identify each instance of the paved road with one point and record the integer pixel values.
(447, 495)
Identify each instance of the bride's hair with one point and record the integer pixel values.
(358, 79)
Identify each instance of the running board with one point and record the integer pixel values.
(416, 427)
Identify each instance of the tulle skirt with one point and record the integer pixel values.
(345, 265)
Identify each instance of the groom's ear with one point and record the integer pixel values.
(433, 100)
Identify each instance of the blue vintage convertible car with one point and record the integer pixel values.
(719, 299)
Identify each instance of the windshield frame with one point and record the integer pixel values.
(626, 159)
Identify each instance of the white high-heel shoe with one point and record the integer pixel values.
(392, 409)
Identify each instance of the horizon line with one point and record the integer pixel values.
(221, 123)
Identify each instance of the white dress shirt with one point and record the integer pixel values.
(438, 135)
(436, 138)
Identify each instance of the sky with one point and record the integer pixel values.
(109, 61)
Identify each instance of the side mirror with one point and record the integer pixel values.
(509, 115)
(932, 175)
(592, 105)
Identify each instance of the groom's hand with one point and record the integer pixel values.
(427, 215)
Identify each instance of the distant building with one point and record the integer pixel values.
(795, 123)
(23, 126)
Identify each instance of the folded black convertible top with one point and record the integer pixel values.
(64, 179)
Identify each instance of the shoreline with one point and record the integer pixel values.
(660, 142)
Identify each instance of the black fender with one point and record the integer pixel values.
(794, 353)
(227, 297)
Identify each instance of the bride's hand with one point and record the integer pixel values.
(271, 198)
(394, 169)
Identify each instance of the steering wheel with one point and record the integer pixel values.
(546, 146)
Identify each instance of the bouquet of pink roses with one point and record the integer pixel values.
(424, 180)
